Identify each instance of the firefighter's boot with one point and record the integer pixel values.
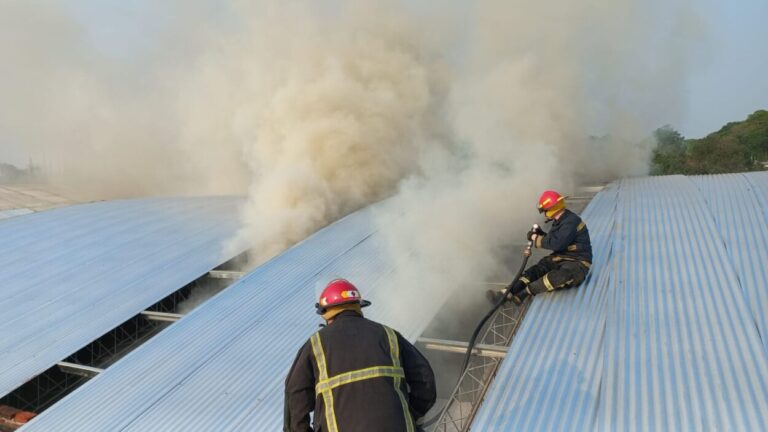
(517, 294)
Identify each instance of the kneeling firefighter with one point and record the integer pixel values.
(356, 374)
(571, 258)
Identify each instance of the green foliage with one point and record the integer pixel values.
(669, 155)
(736, 147)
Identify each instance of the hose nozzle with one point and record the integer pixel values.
(527, 251)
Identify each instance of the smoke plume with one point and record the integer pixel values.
(462, 112)
(534, 83)
(330, 113)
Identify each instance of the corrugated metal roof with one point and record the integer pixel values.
(662, 322)
(71, 274)
(744, 229)
(666, 333)
(222, 367)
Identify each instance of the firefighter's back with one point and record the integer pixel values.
(367, 394)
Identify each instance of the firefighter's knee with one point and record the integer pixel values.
(575, 274)
(552, 281)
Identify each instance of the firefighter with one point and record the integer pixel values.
(571, 258)
(356, 374)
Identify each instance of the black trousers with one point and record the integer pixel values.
(552, 274)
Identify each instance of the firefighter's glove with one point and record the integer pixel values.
(538, 231)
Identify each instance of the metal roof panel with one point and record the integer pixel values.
(675, 343)
(71, 274)
(222, 367)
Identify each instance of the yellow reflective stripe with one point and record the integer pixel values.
(330, 413)
(548, 284)
(581, 226)
(538, 241)
(394, 347)
(359, 375)
(586, 264)
(573, 248)
(317, 350)
(394, 352)
(525, 280)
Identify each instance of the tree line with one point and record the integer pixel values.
(736, 147)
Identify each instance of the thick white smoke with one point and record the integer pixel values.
(463, 112)
(536, 80)
(329, 113)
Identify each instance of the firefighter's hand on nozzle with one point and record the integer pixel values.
(536, 231)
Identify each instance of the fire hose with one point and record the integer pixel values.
(481, 324)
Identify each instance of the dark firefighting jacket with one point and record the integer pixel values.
(568, 239)
(358, 375)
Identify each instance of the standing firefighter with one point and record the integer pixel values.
(356, 374)
(568, 264)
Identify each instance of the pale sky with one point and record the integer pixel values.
(734, 81)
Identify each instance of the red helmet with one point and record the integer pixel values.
(339, 292)
(551, 202)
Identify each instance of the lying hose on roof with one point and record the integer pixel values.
(481, 324)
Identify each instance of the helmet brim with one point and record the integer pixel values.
(321, 310)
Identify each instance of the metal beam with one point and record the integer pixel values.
(162, 316)
(469, 392)
(78, 369)
(459, 347)
(225, 274)
(591, 189)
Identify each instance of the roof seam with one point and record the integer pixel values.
(611, 294)
(223, 347)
